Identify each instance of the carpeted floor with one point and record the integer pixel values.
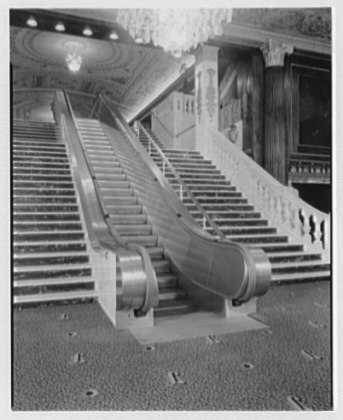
(71, 358)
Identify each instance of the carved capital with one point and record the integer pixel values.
(274, 54)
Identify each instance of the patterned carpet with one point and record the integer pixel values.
(71, 358)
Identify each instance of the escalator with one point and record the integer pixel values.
(116, 229)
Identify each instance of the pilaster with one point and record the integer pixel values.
(275, 109)
(206, 94)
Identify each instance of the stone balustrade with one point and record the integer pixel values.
(292, 216)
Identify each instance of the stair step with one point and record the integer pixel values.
(298, 277)
(123, 209)
(47, 217)
(58, 148)
(109, 183)
(43, 225)
(215, 187)
(245, 230)
(271, 248)
(27, 248)
(246, 214)
(156, 252)
(299, 267)
(36, 269)
(45, 160)
(222, 207)
(147, 240)
(283, 257)
(44, 172)
(19, 257)
(116, 192)
(43, 191)
(161, 266)
(128, 219)
(45, 207)
(26, 164)
(34, 141)
(53, 297)
(52, 281)
(173, 294)
(258, 239)
(217, 201)
(223, 223)
(207, 195)
(130, 229)
(118, 201)
(66, 235)
(38, 184)
(44, 199)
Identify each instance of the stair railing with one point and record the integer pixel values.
(137, 283)
(183, 187)
(291, 215)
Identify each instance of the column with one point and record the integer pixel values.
(206, 95)
(275, 109)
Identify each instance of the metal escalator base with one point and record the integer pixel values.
(194, 325)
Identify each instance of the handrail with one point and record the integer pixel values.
(293, 216)
(151, 297)
(249, 270)
(182, 184)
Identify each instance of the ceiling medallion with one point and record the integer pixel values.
(175, 30)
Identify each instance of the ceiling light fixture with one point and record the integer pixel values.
(60, 27)
(175, 30)
(31, 21)
(113, 35)
(74, 62)
(87, 31)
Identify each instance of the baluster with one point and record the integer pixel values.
(204, 222)
(325, 231)
(149, 147)
(316, 230)
(305, 228)
(181, 192)
(164, 166)
(277, 208)
(291, 212)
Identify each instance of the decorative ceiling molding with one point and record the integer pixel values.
(310, 22)
(133, 75)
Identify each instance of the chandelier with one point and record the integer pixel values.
(74, 62)
(73, 49)
(175, 30)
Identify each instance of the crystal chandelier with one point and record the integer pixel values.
(175, 30)
(74, 61)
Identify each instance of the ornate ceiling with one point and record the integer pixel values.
(129, 74)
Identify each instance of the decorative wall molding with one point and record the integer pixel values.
(311, 22)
